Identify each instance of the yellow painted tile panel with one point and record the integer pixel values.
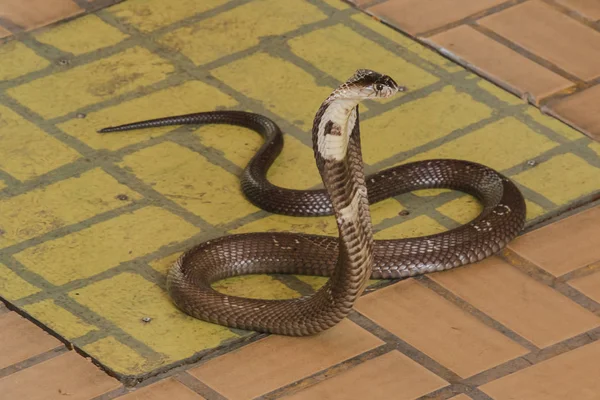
(2, 184)
(32, 152)
(105, 245)
(60, 204)
(148, 15)
(407, 43)
(533, 210)
(415, 123)
(499, 145)
(554, 124)
(562, 179)
(282, 87)
(498, 92)
(163, 265)
(64, 92)
(240, 28)
(191, 181)
(595, 146)
(236, 143)
(339, 51)
(119, 357)
(419, 226)
(126, 298)
(189, 97)
(58, 319)
(16, 59)
(82, 35)
(12, 286)
(462, 210)
(255, 287)
(386, 209)
(340, 5)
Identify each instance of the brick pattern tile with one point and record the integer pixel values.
(563, 246)
(20, 339)
(499, 63)
(277, 360)
(36, 13)
(588, 285)
(68, 375)
(581, 110)
(168, 389)
(573, 375)
(392, 375)
(587, 8)
(418, 16)
(551, 35)
(441, 330)
(529, 308)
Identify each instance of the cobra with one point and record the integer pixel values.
(352, 258)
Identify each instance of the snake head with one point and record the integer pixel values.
(368, 84)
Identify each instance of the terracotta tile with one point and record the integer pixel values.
(531, 309)
(20, 339)
(572, 375)
(68, 376)
(438, 328)
(4, 33)
(169, 389)
(35, 13)
(563, 246)
(500, 63)
(390, 376)
(581, 110)
(416, 16)
(588, 285)
(461, 397)
(276, 361)
(588, 8)
(550, 34)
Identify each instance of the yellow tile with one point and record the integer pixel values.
(32, 152)
(236, 143)
(286, 223)
(2, 184)
(106, 245)
(500, 93)
(189, 97)
(82, 35)
(340, 5)
(533, 210)
(499, 145)
(462, 210)
(429, 192)
(255, 287)
(554, 124)
(239, 145)
(163, 265)
(419, 226)
(63, 203)
(406, 42)
(16, 59)
(388, 208)
(191, 181)
(595, 146)
(119, 357)
(240, 28)
(12, 286)
(60, 93)
(415, 124)
(314, 281)
(284, 88)
(339, 51)
(58, 319)
(561, 179)
(170, 332)
(148, 15)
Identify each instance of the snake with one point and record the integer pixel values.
(354, 256)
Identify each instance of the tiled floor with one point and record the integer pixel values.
(94, 221)
(545, 51)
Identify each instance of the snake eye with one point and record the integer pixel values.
(379, 87)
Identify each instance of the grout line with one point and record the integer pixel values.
(198, 386)
(30, 362)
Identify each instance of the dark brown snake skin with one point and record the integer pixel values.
(354, 257)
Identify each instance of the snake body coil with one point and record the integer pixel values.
(353, 258)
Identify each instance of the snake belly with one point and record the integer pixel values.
(354, 257)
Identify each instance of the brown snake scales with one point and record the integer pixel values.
(354, 257)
